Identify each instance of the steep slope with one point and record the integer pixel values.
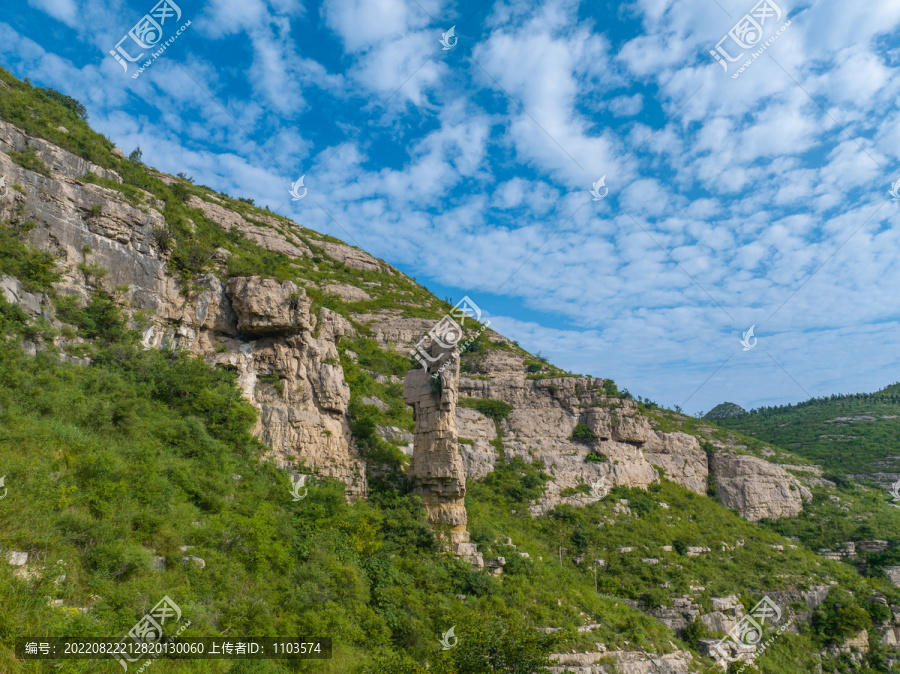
(162, 338)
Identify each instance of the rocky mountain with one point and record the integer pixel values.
(486, 439)
(723, 411)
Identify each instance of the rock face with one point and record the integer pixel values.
(258, 327)
(681, 457)
(623, 662)
(757, 488)
(893, 573)
(264, 306)
(437, 468)
(287, 362)
(539, 427)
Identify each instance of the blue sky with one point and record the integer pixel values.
(736, 197)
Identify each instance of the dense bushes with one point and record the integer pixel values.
(492, 409)
(582, 433)
(36, 270)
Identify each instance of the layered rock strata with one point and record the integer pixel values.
(757, 488)
(436, 467)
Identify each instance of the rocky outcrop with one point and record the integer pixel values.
(621, 662)
(268, 237)
(264, 306)
(681, 457)
(436, 467)
(893, 574)
(287, 362)
(258, 327)
(757, 488)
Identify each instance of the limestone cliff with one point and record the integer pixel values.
(258, 327)
(287, 360)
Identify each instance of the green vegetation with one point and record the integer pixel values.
(582, 433)
(492, 409)
(36, 270)
(29, 160)
(843, 433)
(724, 411)
(67, 102)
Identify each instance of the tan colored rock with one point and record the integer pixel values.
(57, 160)
(680, 456)
(267, 237)
(893, 573)
(478, 458)
(624, 662)
(436, 467)
(264, 306)
(756, 488)
(348, 293)
(352, 257)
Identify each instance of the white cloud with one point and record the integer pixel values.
(65, 11)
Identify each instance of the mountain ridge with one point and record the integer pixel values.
(306, 342)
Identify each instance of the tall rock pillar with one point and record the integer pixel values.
(436, 467)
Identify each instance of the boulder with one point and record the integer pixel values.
(264, 306)
(756, 488)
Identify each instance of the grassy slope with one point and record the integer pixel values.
(127, 431)
(814, 430)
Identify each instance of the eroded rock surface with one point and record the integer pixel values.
(436, 467)
(757, 488)
(259, 327)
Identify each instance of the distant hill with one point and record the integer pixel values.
(892, 390)
(724, 411)
(855, 434)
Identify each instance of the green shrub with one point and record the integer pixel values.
(99, 319)
(515, 481)
(67, 102)
(30, 161)
(572, 491)
(583, 434)
(840, 617)
(35, 269)
(694, 632)
(655, 598)
(492, 409)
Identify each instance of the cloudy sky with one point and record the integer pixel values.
(744, 187)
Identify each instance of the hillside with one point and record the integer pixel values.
(177, 363)
(850, 435)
